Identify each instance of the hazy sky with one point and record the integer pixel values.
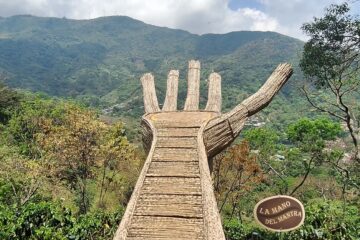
(196, 16)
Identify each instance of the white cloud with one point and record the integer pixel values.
(292, 14)
(196, 16)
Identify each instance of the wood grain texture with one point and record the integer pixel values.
(260, 99)
(122, 231)
(217, 136)
(175, 154)
(170, 103)
(173, 169)
(183, 142)
(171, 185)
(193, 91)
(178, 132)
(173, 197)
(154, 228)
(185, 206)
(150, 100)
(220, 132)
(146, 134)
(212, 221)
(214, 93)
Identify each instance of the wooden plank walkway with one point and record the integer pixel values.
(170, 201)
(173, 197)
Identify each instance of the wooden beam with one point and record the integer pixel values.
(193, 91)
(221, 132)
(214, 93)
(261, 98)
(150, 100)
(170, 103)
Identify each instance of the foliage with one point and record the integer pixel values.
(57, 145)
(234, 230)
(9, 99)
(331, 59)
(26, 122)
(120, 165)
(53, 151)
(310, 135)
(263, 139)
(43, 218)
(235, 174)
(324, 220)
(23, 175)
(331, 54)
(72, 146)
(322, 128)
(102, 67)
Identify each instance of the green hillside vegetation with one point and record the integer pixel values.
(100, 61)
(70, 105)
(66, 174)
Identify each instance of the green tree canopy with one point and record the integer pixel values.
(331, 61)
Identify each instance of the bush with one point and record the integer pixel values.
(324, 220)
(44, 219)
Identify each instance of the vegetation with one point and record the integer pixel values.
(67, 171)
(331, 57)
(64, 174)
(102, 67)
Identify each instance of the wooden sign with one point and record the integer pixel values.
(280, 213)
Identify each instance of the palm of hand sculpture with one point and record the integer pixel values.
(173, 197)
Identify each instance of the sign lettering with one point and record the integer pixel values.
(280, 213)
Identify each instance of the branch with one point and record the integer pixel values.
(319, 108)
(304, 178)
(278, 174)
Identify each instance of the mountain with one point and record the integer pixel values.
(101, 60)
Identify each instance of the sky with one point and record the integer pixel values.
(195, 16)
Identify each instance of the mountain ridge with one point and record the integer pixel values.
(100, 61)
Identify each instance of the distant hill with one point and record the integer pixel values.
(101, 60)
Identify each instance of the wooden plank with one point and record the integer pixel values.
(173, 169)
(178, 123)
(169, 205)
(180, 119)
(175, 154)
(178, 132)
(171, 185)
(175, 142)
(151, 228)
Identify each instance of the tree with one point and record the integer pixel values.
(120, 165)
(265, 143)
(236, 173)
(310, 137)
(9, 99)
(73, 146)
(331, 61)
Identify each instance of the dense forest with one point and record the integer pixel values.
(70, 152)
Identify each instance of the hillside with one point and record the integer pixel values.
(70, 152)
(101, 60)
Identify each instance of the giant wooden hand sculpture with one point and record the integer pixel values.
(173, 197)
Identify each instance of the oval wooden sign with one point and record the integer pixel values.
(280, 213)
